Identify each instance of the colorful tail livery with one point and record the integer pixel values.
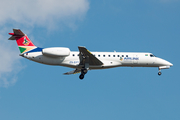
(23, 42)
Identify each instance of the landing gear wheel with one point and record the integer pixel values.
(159, 73)
(81, 76)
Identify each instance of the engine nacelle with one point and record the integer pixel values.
(56, 52)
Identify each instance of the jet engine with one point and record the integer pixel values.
(56, 52)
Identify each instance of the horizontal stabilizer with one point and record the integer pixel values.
(17, 33)
(12, 38)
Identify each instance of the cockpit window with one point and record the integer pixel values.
(151, 55)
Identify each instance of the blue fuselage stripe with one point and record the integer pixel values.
(35, 50)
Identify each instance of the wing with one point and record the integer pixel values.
(73, 72)
(86, 56)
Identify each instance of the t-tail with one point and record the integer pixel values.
(23, 42)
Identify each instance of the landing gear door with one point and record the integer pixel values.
(135, 59)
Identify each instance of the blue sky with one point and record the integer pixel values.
(32, 91)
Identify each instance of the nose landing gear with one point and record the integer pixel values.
(159, 73)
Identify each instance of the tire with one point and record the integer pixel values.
(81, 76)
(159, 73)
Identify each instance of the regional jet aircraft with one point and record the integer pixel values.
(84, 60)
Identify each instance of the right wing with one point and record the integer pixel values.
(73, 72)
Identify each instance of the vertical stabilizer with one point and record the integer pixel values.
(23, 42)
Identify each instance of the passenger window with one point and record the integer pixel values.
(118, 56)
(113, 55)
(73, 55)
(103, 55)
(126, 55)
(122, 55)
(109, 55)
(98, 55)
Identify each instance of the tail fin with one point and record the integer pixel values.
(23, 42)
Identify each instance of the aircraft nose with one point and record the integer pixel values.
(167, 63)
(164, 62)
(170, 64)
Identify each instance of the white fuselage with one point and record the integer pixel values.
(84, 60)
(109, 59)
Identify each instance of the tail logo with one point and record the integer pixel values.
(26, 42)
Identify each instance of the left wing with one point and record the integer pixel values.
(86, 56)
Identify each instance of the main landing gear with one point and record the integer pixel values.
(83, 72)
(81, 76)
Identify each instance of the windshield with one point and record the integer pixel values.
(151, 55)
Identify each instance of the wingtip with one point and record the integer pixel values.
(65, 74)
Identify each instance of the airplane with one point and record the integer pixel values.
(83, 60)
